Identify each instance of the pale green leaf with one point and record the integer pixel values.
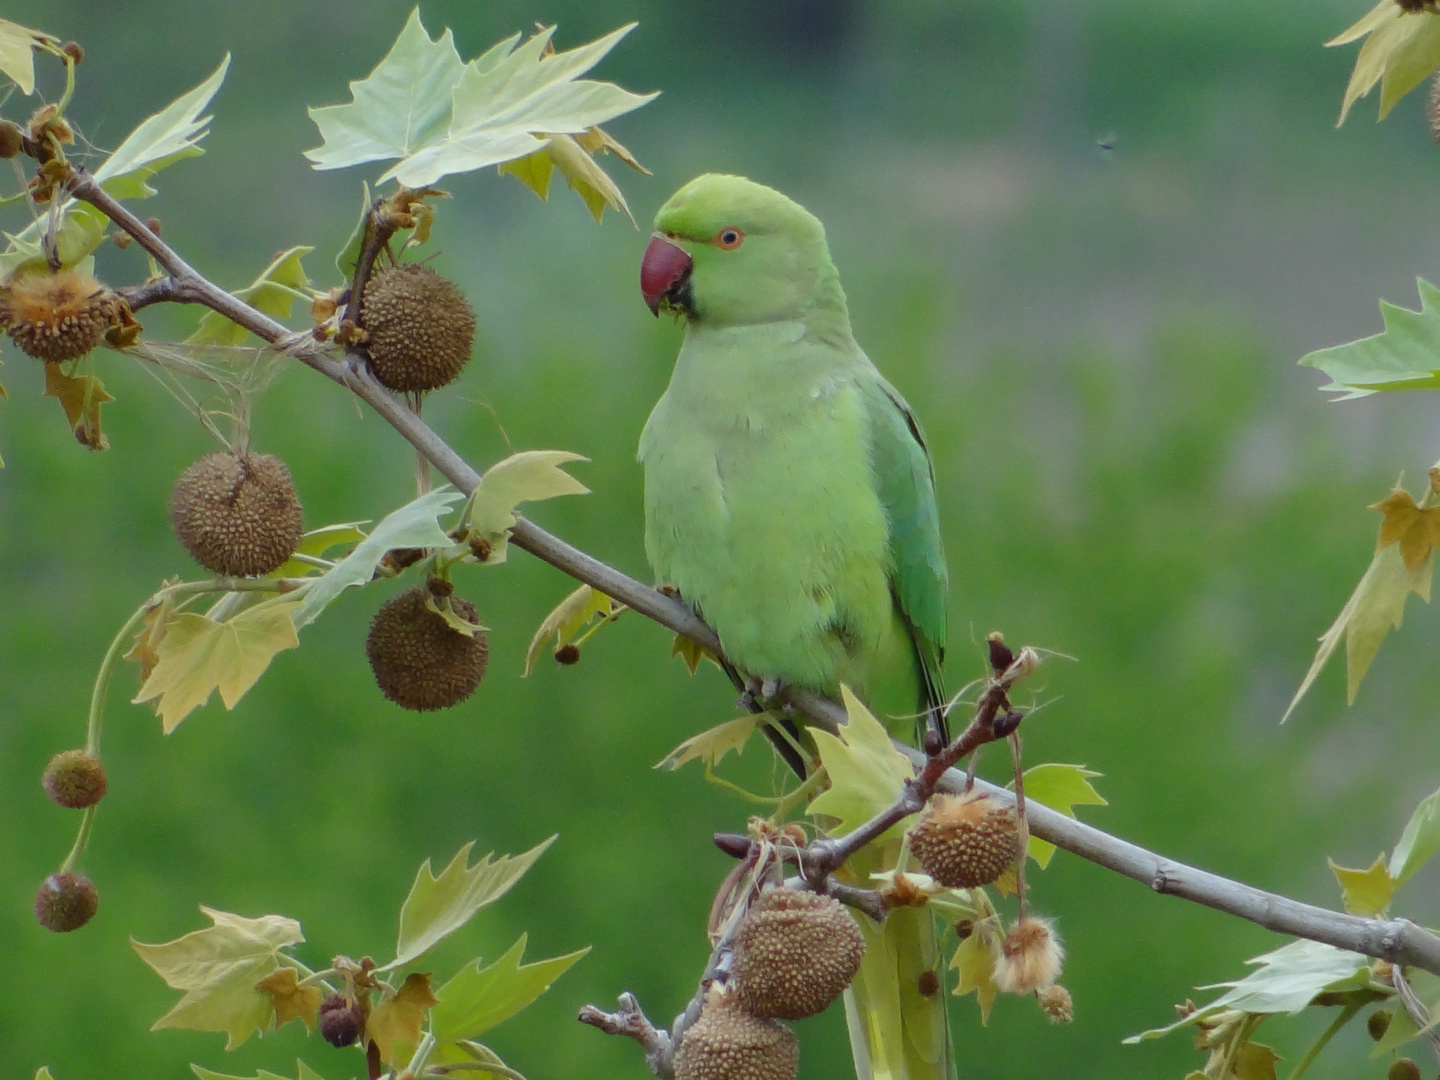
(1403, 357)
(438, 906)
(349, 255)
(1403, 1027)
(199, 655)
(582, 173)
(218, 968)
(866, 771)
(414, 525)
(529, 476)
(1287, 980)
(43, 1073)
(403, 105)
(974, 961)
(1401, 48)
(712, 745)
(1377, 604)
(317, 542)
(501, 106)
(478, 998)
(1419, 841)
(571, 615)
(17, 57)
(305, 1072)
(1365, 892)
(273, 293)
(1061, 788)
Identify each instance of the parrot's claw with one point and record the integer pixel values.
(758, 693)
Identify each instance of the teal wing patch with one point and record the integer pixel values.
(906, 483)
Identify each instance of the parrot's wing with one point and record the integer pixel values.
(906, 486)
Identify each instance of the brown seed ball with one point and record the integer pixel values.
(237, 514)
(66, 902)
(418, 660)
(967, 840)
(727, 1043)
(795, 953)
(55, 317)
(11, 139)
(420, 327)
(1377, 1024)
(75, 779)
(340, 1021)
(1403, 1069)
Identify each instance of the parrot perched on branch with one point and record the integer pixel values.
(789, 496)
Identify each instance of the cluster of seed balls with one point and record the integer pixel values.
(795, 953)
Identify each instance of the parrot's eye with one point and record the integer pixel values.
(729, 239)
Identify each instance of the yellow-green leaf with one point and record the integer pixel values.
(274, 293)
(570, 616)
(218, 968)
(304, 1073)
(866, 771)
(292, 1001)
(1419, 841)
(17, 54)
(710, 746)
(399, 1017)
(528, 476)
(81, 397)
(1366, 892)
(478, 998)
(316, 543)
(1061, 788)
(438, 906)
(43, 1073)
(1377, 604)
(1403, 1027)
(199, 655)
(1401, 48)
(974, 960)
(692, 652)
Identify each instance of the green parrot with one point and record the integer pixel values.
(789, 496)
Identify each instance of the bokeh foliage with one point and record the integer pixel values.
(1099, 342)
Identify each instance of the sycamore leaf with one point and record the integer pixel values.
(505, 99)
(1400, 358)
(571, 615)
(692, 652)
(866, 771)
(1253, 1061)
(438, 906)
(1377, 604)
(399, 1018)
(218, 968)
(528, 476)
(472, 1053)
(199, 655)
(1400, 50)
(1062, 788)
(414, 525)
(316, 543)
(1287, 980)
(147, 639)
(17, 56)
(1405, 523)
(273, 293)
(710, 746)
(478, 998)
(1403, 1027)
(81, 397)
(974, 960)
(292, 1001)
(573, 156)
(305, 1073)
(403, 105)
(1366, 892)
(1419, 841)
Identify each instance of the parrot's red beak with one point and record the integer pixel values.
(665, 274)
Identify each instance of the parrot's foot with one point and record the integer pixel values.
(758, 693)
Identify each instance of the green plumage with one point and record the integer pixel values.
(789, 497)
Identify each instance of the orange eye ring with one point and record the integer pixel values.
(728, 238)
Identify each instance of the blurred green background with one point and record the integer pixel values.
(1100, 342)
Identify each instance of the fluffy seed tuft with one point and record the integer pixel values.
(57, 317)
(1059, 1006)
(1030, 958)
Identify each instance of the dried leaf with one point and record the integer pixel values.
(528, 476)
(145, 651)
(400, 1018)
(81, 397)
(571, 615)
(292, 1001)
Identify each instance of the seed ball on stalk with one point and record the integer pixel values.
(728, 1043)
(795, 952)
(75, 779)
(967, 840)
(66, 902)
(340, 1021)
(237, 514)
(419, 660)
(420, 327)
(57, 317)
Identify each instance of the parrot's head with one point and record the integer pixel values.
(728, 251)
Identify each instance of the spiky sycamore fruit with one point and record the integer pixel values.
(795, 953)
(66, 902)
(420, 662)
(967, 840)
(728, 1043)
(1030, 957)
(420, 327)
(237, 514)
(340, 1021)
(55, 317)
(75, 778)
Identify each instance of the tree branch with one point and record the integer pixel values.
(1396, 940)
